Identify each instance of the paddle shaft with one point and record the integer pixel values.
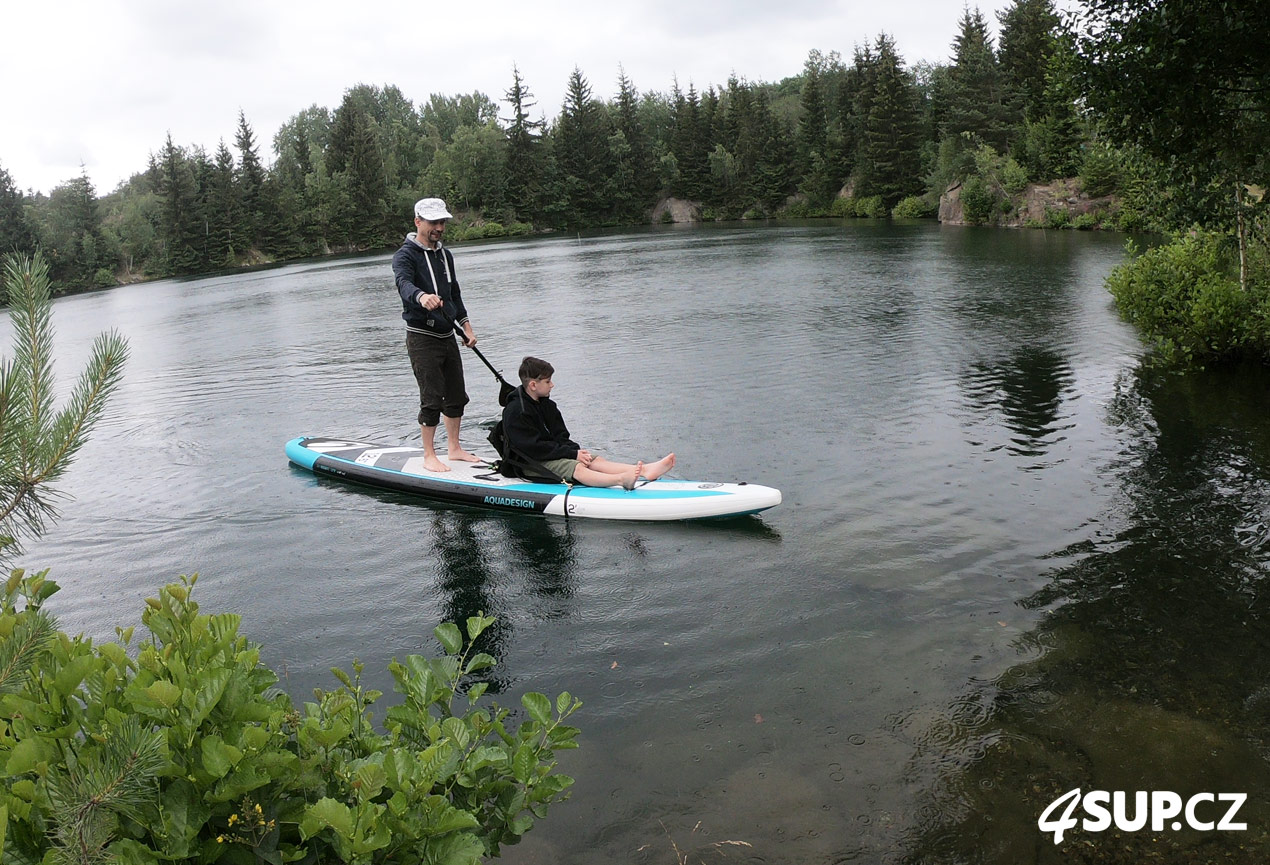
(441, 312)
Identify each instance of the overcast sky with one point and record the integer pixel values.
(102, 83)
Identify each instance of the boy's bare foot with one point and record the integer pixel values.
(653, 471)
(462, 456)
(630, 478)
(433, 464)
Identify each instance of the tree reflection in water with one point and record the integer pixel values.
(479, 555)
(1150, 667)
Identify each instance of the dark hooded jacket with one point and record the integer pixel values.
(535, 429)
(419, 269)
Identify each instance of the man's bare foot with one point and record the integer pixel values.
(433, 464)
(630, 478)
(462, 456)
(653, 471)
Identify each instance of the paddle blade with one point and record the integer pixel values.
(505, 392)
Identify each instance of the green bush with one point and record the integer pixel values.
(977, 201)
(1013, 176)
(1100, 170)
(870, 207)
(180, 749)
(842, 207)
(1085, 221)
(1185, 297)
(1057, 217)
(913, 207)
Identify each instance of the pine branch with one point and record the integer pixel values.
(20, 649)
(36, 445)
(117, 778)
(71, 426)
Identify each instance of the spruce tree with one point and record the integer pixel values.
(642, 188)
(223, 210)
(15, 231)
(72, 234)
(689, 144)
(892, 133)
(1029, 38)
(524, 165)
(251, 181)
(977, 97)
(582, 152)
(180, 222)
(812, 130)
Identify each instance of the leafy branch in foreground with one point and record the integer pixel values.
(179, 748)
(37, 443)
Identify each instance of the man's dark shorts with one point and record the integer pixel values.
(438, 369)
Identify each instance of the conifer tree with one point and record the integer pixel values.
(181, 221)
(581, 150)
(1029, 38)
(358, 200)
(524, 165)
(72, 234)
(812, 130)
(689, 145)
(892, 133)
(251, 181)
(977, 100)
(223, 210)
(204, 171)
(37, 442)
(15, 231)
(638, 159)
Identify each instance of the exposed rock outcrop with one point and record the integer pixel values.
(1038, 204)
(676, 210)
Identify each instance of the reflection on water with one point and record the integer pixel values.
(1028, 390)
(1009, 560)
(1150, 667)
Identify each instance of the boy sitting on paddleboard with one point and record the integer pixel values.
(535, 430)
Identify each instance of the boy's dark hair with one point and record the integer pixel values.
(534, 367)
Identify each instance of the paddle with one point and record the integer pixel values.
(505, 390)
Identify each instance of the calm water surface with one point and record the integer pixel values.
(1012, 559)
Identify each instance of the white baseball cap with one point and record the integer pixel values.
(432, 209)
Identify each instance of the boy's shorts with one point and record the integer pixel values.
(563, 468)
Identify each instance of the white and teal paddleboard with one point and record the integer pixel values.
(401, 469)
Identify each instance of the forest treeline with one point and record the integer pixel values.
(872, 137)
(343, 179)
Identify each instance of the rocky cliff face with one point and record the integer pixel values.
(676, 210)
(1042, 204)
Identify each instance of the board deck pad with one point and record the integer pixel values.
(400, 468)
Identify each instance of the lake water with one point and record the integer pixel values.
(1013, 559)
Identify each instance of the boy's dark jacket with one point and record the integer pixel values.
(535, 429)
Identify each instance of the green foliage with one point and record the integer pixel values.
(37, 442)
(16, 234)
(344, 179)
(913, 207)
(978, 200)
(1057, 217)
(1100, 170)
(179, 748)
(1185, 297)
(869, 207)
(1013, 177)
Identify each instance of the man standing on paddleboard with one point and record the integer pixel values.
(432, 307)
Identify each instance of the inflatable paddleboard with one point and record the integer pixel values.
(401, 469)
